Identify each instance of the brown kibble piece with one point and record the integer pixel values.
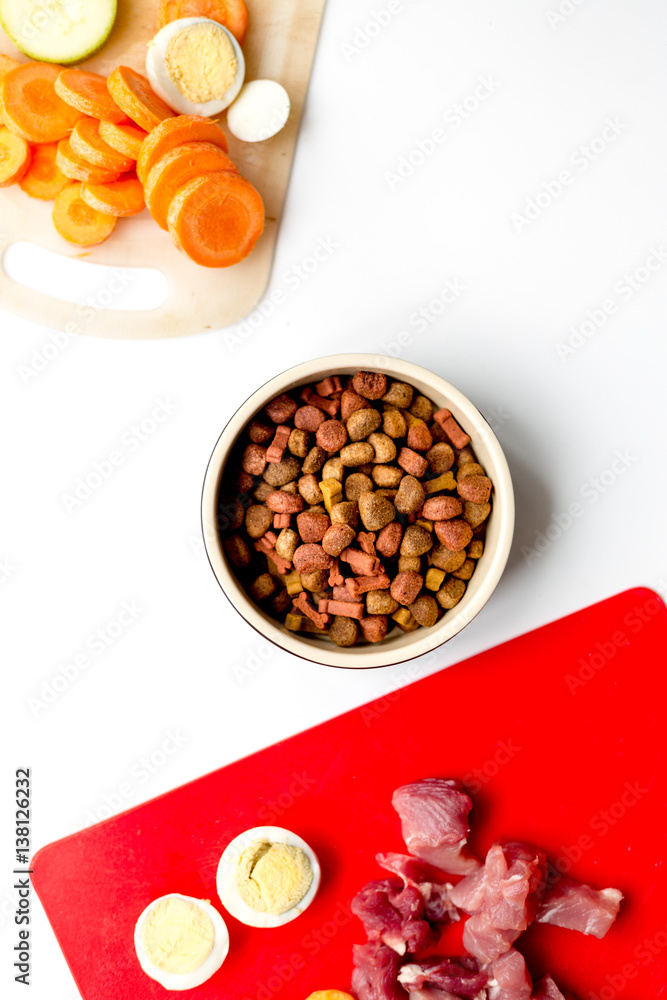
(406, 563)
(357, 454)
(254, 459)
(370, 385)
(284, 503)
(380, 602)
(476, 513)
(312, 525)
(263, 587)
(477, 489)
(466, 570)
(384, 447)
(443, 558)
(399, 394)
(465, 457)
(413, 463)
(374, 627)
(419, 438)
(331, 435)
(258, 520)
(260, 433)
(262, 491)
(406, 586)
(315, 582)
(281, 409)
(350, 401)
(280, 473)
(356, 484)
(393, 424)
(336, 538)
(308, 418)
(308, 558)
(422, 408)
(387, 494)
(343, 631)
(281, 601)
(416, 541)
(345, 512)
(469, 469)
(309, 488)
(440, 457)
(455, 535)
(244, 482)
(375, 511)
(387, 476)
(388, 541)
(237, 551)
(314, 460)
(442, 508)
(476, 549)
(362, 423)
(450, 593)
(425, 610)
(410, 496)
(333, 468)
(287, 543)
(297, 443)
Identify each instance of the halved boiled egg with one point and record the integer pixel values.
(196, 66)
(180, 941)
(267, 876)
(259, 112)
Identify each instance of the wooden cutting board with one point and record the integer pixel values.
(559, 736)
(280, 45)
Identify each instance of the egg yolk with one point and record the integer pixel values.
(178, 936)
(201, 62)
(273, 878)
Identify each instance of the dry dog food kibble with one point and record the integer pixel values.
(353, 507)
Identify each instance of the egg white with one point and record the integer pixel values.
(226, 877)
(259, 112)
(187, 980)
(164, 86)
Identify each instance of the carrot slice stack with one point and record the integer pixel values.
(133, 93)
(231, 14)
(43, 179)
(216, 219)
(125, 139)
(176, 168)
(77, 222)
(88, 93)
(171, 133)
(14, 157)
(120, 198)
(78, 169)
(6, 63)
(87, 143)
(30, 105)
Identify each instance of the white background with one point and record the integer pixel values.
(187, 663)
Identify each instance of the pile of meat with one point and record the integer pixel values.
(404, 915)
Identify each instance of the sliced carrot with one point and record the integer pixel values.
(123, 197)
(78, 169)
(43, 179)
(125, 139)
(77, 222)
(132, 92)
(216, 219)
(86, 142)
(30, 105)
(232, 14)
(174, 131)
(88, 93)
(6, 63)
(14, 157)
(175, 169)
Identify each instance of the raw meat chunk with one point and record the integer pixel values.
(375, 974)
(427, 880)
(394, 915)
(434, 821)
(510, 978)
(579, 907)
(546, 989)
(462, 977)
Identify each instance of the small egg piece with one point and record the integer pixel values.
(196, 66)
(180, 941)
(267, 876)
(259, 112)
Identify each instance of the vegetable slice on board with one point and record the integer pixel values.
(231, 14)
(216, 219)
(79, 223)
(171, 133)
(58, 32)
(175, 169)
(30, 105)
(133, 93)
(43, 179)
(125, 139)
(78, 169)
(89, 94)
(14, 157)
(87, 143)
(120, 198)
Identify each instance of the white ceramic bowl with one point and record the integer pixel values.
(398, 646)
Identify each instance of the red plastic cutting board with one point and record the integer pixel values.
(560, 736)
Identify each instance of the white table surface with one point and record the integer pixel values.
(542, 93)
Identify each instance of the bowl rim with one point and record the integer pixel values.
(424, 640)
